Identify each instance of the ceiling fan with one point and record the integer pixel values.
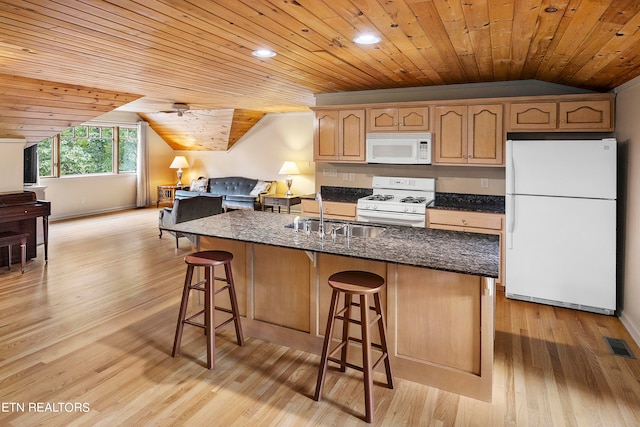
(178, 107)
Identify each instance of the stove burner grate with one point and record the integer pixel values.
(380, 197)
(412, 199)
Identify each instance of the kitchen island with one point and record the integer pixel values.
(439, 300)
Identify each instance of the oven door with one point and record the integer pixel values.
(392, 218)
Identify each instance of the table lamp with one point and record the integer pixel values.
(179, 162)
(289, 168)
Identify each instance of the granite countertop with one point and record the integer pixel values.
(469, 202)
(459, 252)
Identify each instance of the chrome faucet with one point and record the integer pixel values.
(321, 225)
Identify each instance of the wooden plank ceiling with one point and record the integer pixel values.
(199, 51)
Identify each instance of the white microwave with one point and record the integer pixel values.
(399, 148)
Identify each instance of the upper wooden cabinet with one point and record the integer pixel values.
(579, 115)
(533, 116)
(339, 135)
(470, 134)
(585, 115)
(465, 132)
(410, 119)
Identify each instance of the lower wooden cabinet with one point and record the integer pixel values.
(278, 297)
(436, 303)
(439, 324)
(473, 222)
(332, 210)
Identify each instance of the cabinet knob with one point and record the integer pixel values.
(464, 222)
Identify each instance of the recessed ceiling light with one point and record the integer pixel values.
(367, 39)
(263, 53)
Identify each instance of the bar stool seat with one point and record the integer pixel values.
(208, 260)
(362, 284)
(9, 238)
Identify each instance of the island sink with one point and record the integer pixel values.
(332, 228)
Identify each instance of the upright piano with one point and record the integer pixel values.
(18, 212)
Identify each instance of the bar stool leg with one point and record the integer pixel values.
(366, 358)
(345, 332)
(234, 303)
(325, 346)
(183, 311)
(382, 327)
(209, 317)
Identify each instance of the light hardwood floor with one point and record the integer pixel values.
(96, 326)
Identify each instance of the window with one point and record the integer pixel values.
(127, 149)
(87, 149)
(45, 157)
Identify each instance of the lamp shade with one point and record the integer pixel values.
(289, 168)
(179, 162)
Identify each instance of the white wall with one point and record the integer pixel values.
(11, 165)
(628, 134)
(276, 138)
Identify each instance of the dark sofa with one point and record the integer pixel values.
(237, 192)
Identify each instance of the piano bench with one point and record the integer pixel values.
(8, 238)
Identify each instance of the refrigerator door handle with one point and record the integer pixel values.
(511, 170)
(511, 219)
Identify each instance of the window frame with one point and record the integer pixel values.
(115, 152)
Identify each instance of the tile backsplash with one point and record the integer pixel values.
(450, 179)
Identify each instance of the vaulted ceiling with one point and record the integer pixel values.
(144, 55)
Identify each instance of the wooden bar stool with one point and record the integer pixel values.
(9, 238)
(208, 260)
(363, 284)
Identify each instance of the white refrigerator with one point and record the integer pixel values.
(560, 245)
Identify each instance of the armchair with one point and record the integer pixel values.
(186, 210)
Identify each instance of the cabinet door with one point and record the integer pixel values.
(325, 135)
(587, 115)
(382, 119)
(281, 293)
(486, 135)
(451, 134)
(309, 208)
(351, 135)
(337, 210)
(414, 119)
(533, 116)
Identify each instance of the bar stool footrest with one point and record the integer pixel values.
(357, 367)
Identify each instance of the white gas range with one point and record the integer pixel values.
(397, 201)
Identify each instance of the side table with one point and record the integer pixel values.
(280, 200)
(167, 193)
